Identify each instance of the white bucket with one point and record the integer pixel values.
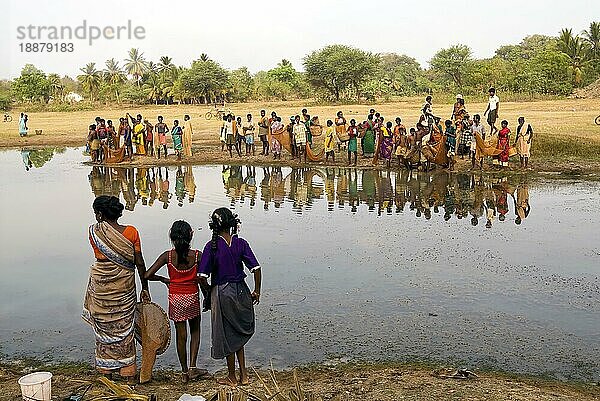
(36, 386)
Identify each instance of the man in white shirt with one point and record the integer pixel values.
(492, 110)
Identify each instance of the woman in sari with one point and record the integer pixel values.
(504, 144)
(110, 299)
(368, 141)
(187, 136)
(23, 125)
(387, 144)
(177, 133)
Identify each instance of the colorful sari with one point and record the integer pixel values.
(110, 300)
(387, 144)
(176, 134)
(369, 139)
(503, 146)
(138, 139)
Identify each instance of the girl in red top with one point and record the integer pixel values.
(184, 298)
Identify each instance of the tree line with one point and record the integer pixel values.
(538, 65)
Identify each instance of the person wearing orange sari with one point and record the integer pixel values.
(188, 131)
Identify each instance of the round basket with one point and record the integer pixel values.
(151, 319)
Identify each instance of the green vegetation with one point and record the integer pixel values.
(539, 66)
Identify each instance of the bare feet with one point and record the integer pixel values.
(228, 381)
(195, 373)
(244, 380)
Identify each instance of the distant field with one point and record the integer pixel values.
(564, 129)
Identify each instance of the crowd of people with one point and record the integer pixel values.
(110, 299)
(109, 144)
(430, 142)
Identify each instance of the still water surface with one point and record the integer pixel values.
(476, 271)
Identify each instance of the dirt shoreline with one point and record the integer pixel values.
(210, 154)
(348, 382)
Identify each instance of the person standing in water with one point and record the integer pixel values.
(184, 295)
(232, 303)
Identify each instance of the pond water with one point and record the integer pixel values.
(475, 271)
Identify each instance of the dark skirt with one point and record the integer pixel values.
(232, 318)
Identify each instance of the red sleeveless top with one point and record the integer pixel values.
(183, 281)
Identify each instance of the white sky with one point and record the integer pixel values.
(259, 33)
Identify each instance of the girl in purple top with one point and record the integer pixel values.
(231, 302)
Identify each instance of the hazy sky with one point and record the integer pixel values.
(258, 34)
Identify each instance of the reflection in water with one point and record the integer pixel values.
(38, 157)
(463, 196)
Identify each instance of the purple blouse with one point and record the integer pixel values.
(229, 261)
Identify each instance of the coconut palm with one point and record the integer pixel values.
(165, 64)
(592, 38)
(90, 79)
(136, 65)
(574, 47)
(56, 86)
(204, 57)
(152, 87)
(114, 76)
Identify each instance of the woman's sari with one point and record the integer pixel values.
(177, 143)
(187, 138)
(110, 299)
(387, 144)
(369, 139)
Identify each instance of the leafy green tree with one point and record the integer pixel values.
(452, 64)
(136, 65)
(339, 68)
(32, 85)
(90, 80)
(397, 74)
(548, 72)
(5, 95)
(528, 48)
(242, 84)
(205, 81)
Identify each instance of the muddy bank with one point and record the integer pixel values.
(339, 382)
(210, 153)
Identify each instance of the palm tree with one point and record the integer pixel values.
(114, 76)
(592, 38)
(165, 65)
(284, 62)
(153, 88)
(204, 57)
(152, 67)
(574, 47)
(90, 79)
(56, 86)
(136, 65)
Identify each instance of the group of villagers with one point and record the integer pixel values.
(137, 136)
(111, 296)
(426, 145)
